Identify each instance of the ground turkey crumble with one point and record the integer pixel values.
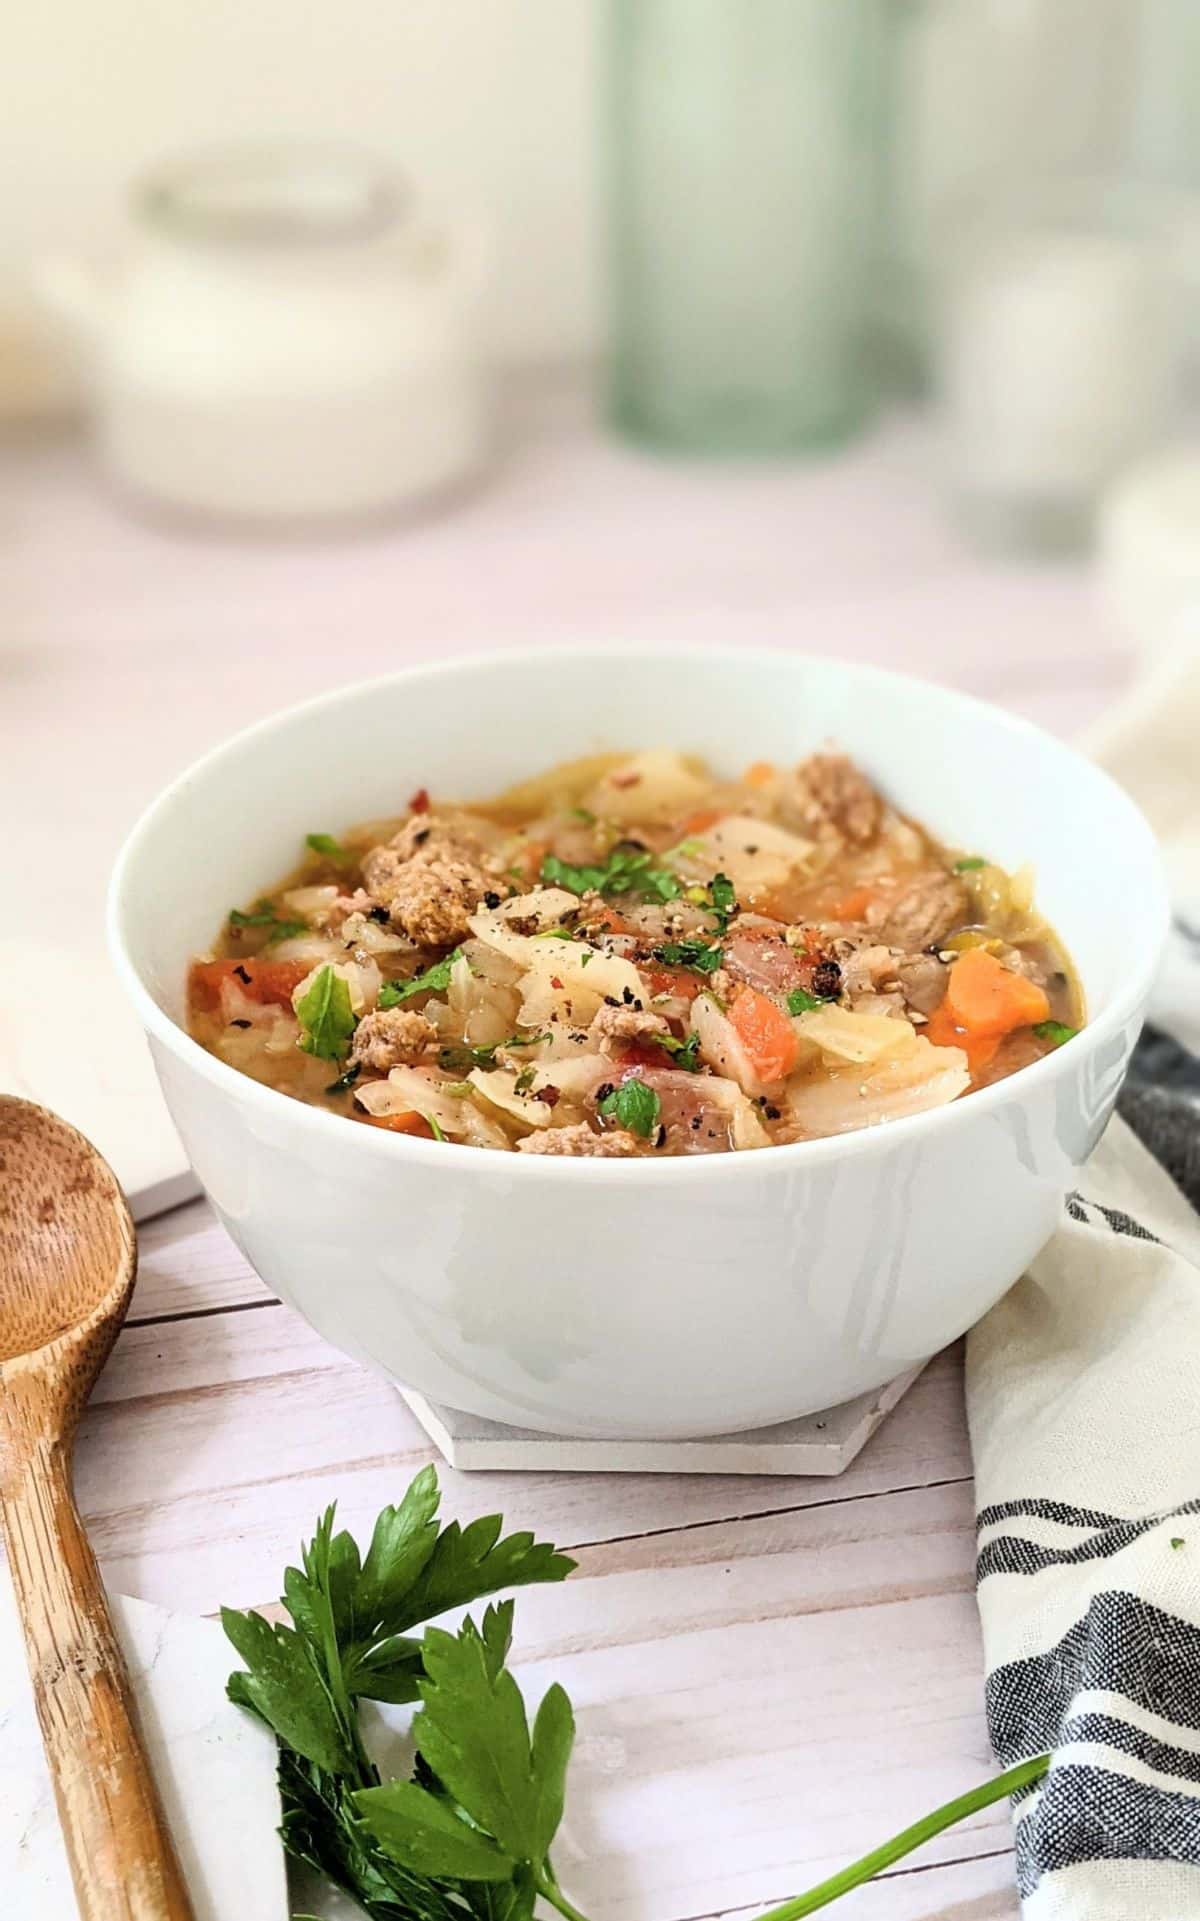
(431, 878)
(579, 1141)
(391, 1037)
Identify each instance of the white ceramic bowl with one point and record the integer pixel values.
(644, 1298)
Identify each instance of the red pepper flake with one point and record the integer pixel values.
(549, 1095)
(419, 804)
(556, 983)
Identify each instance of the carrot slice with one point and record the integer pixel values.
(986, 997)
(765, 1032)
(944, 1031)
(406, 1123)
(852, 906)
(760, 773)
(984, 1001)
(259, 980)
(699, 822)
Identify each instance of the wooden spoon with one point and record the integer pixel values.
(67, 1263)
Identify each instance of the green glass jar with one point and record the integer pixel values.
(744, 179)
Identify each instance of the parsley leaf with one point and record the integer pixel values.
(473, 1735)
(627, 870)
(1055, 1031)
(434, 979)
(684, 1053)
(969, 866)
(330, 848)
(800, 1001)
(700, 956)
(723, 899)
(264, 916)
(459, 1055)
(635, 1106)
(327, 1017)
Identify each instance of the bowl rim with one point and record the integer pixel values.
(785, 1157)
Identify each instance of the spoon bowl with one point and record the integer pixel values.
(67, 1250)
(67, 1265)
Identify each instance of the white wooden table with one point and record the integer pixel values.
(770, 1675)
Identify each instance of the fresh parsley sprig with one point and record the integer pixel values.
(435, 979)
(468, 1836)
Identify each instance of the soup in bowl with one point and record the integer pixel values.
(783, 997)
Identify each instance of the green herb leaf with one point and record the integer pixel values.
(457, 1055)
(284, 1686)
(969, 866)
(329, 848)
(685, 1053)
(327, 1017)
(634, 1106)
(1056, 1032)
(428, 1834)
(264, 916)
(800, 1001)
(1177, 1541)
(700, 957)
(627, 870)
(435, 979)
(723, 899)
(473, 1733)
(436, 1128)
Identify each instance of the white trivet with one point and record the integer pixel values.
(815, 1444)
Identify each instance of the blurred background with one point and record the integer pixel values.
(863, 324)
(337, 338)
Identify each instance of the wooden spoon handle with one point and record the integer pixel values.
(120, 1850)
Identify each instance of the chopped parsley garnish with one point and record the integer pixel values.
(634, 1106)
(684, 1053)
(1177, 1541)
(800, 1001)
(458, 1055)
(345, 1082)
(524, 1081)
(264, 916)
(434, 979)
(329, 848)
(1056, 1032)
(969, 866)
(700, 956)
(327, 1017)
(723, 898)
(584, 814)
(627, 870)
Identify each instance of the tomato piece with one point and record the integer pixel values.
(679, 982)
(765, 1032)
(265, 981)
(631, 1054)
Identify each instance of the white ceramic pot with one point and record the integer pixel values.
(284, 340)
(642, 1298)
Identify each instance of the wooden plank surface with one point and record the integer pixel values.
(771, 1674)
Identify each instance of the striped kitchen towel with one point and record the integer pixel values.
(1083, 1394)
